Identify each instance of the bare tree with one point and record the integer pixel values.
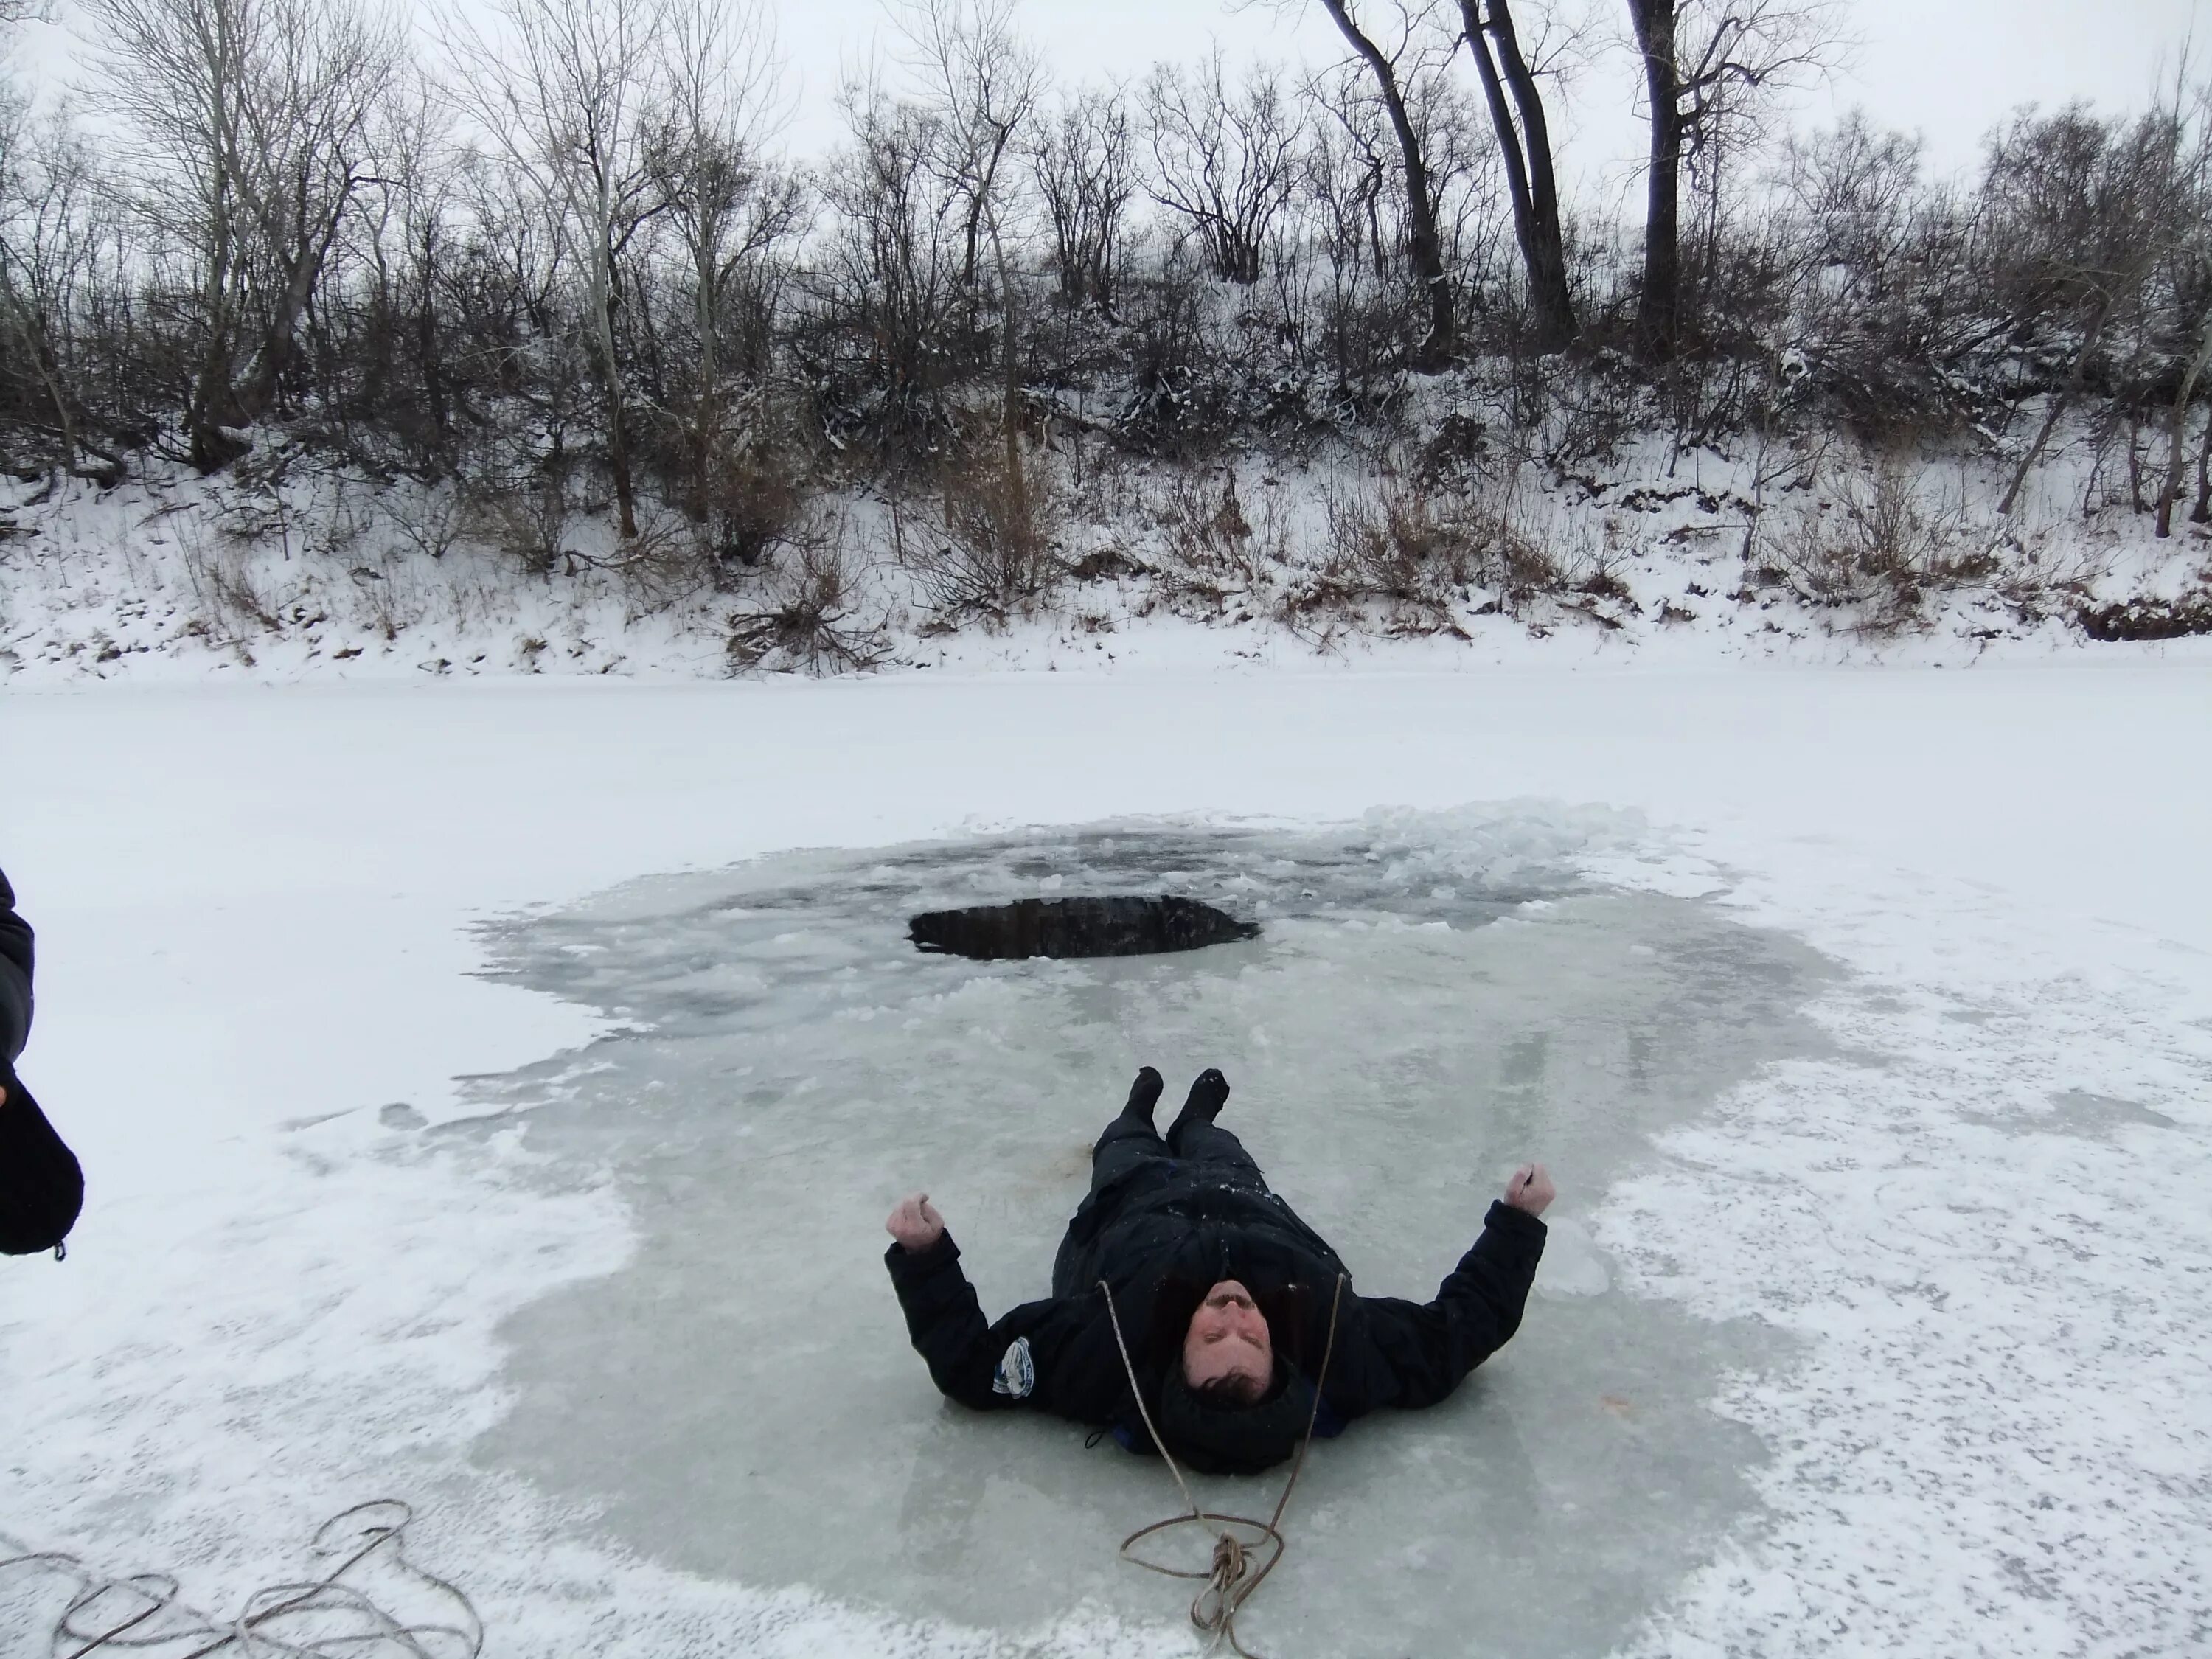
(976, 68)
(1707, 64)
(410, 244)
(51, 214)
(2177, 424)
(567, 92)
(1084, 165)
(987, 81)
(1227, 159)
(1423, 247)
(259, 109)
(892, 271)
(180, 73)
(728, 203)
(308, 133)
(2190, 279)
(2077, 215)
(1524, 141)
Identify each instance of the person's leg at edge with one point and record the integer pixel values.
(1195, 1134)
(1129, 1142)
(1130, 1138)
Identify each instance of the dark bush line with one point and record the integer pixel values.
(1200, 266)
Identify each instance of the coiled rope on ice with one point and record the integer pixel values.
(327, 1618)
(323, 1618)
(1236, 1572)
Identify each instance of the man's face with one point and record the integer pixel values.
(1228, 1338)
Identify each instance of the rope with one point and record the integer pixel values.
(316, 1619)
(1237, 1572)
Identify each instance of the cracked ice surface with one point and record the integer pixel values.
(1433, 998)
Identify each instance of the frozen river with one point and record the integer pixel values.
(1432, 998)
(439, 1150)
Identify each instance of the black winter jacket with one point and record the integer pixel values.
(1196, 1228)
(41, 1188)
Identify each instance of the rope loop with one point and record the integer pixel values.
(1239, 1566)
(323, 1618)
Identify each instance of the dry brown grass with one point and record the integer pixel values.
(992, 547)
(1418, 554)
(1215, 552)
(1894, 543)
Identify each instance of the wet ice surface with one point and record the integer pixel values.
(1432, 1000)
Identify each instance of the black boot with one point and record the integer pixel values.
(1144, 1096)
(1208, 1095)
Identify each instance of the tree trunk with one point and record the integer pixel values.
(1424, 245)
(1527, 150)
(706, 411)
(275, 352)
(212, 402)
(426, 337)
(212, 405)
(1659, 307)
(617, 425)
(978, 210)
(2201, 512)
(39, 347)
(2177, 441)
(1018, 493)
(2058, 407)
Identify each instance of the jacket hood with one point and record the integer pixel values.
(1240, 1441)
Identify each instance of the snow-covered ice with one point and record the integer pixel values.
(1873, 1323)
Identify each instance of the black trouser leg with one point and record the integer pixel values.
(1209, 1092)
(1209, 1143)
(1129, 1142)
(1125, 1148)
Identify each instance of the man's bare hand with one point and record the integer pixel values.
(916, 1224)
(1530, 1189)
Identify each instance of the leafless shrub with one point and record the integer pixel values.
(258, 515)
(220, 574)
(1896, 541)
(430, 521)
(1215, 549)
(1423, 554)
(657, 566)
(385, 595)
(1395, 545)
(1584, 575)
(341, 524)
(756, 503)
(808, 624)
(995, 547)
(526, 519)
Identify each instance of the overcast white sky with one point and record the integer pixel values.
(1950, 69)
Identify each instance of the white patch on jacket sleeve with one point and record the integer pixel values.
(1017, 1372)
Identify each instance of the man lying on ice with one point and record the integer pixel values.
(1224, 1297)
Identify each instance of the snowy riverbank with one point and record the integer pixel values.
(318, 572)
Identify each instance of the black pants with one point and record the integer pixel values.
(1129, 1146)
(1131, 1156)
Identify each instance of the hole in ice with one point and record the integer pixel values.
(1076, 927)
